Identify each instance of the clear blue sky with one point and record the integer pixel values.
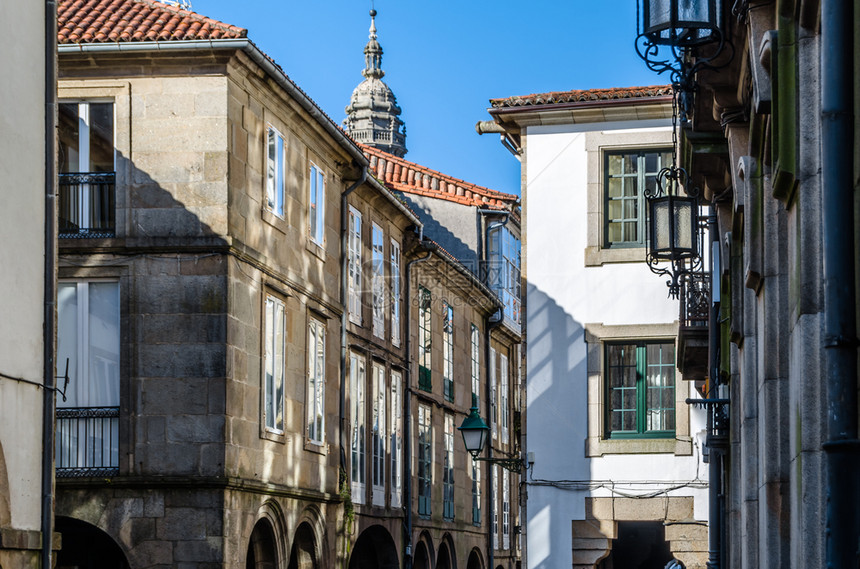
(445, 60)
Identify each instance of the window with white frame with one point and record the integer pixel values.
(316, 207)
(448, 351)
(506, 509)
(495, 496)
(357, 384)
(504, 410)
(396, 439)
(276, 171)
(273, 396)
(494, 420)
(88, 338)
(354, 261)
(87, 177)
(316, 382)
(378, 435)
(476, 365)
(377, 281)
(425, 335)
(476, 492)
(448, 470)
(425, 460)
(504, 271)
(629, 174)
(395, 293)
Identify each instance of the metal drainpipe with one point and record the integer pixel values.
(50, 283)
(840, 327)
(344, 317)
(407, 400)
(715, 462)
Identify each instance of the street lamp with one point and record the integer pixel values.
(680, 23)
(475, 434)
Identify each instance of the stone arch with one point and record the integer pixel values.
(5, 509)
(476, 560)
(314, 521)
(445, 556)
(304, 553)
(87, 547)
(424, 553)
(262, 546)
(374, 549)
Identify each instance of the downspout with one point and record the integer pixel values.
(344, 317)
(715, 463)
(840, 327)
(407, 400)
(50, 283)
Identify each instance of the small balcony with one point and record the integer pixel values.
(87, 442)
(693, 331)
(87, 205)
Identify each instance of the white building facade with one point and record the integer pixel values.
(618, 472)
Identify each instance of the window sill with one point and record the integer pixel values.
(275, 220)
(271, 435)
(315, 248)
(679, 446)
(316, 448)
(597, 256)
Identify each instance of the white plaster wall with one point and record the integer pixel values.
(22, 152)
(563, 295)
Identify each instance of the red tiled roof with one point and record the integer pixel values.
(411, 178)
(103, 21)
(556, 97)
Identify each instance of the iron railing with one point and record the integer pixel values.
(87, 205)
(87, 442)
(695, 298)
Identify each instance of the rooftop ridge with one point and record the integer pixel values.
(576, 95)
(409, 177)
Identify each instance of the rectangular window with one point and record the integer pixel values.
(448, 470)
(494, 419)
(495, 496)
(628, 175)
(378, 435)
(425, 460)
(87, 177)
(273, 408)
(504, 408)
(640, 383)
(357, 383)
(396, 440)
(276, 172)
(424, 335)
(504, 271)
(476, 493)
(395, 293)
(316, 208)
(448, 351)
(377, 282)
(476, 366)
(316, 382)
(354, 277)
(88, 338)
(506, 509)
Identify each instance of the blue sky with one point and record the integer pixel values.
(445, 60)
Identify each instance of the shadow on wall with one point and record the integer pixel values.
(557, 384)
(459, 217)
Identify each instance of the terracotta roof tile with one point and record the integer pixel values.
(556, 97)
(411, 178)
(100, 21)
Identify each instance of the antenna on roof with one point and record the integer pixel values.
(184, 4)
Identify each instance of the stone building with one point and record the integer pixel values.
(27, 284)
(771, 143)
(618, 471)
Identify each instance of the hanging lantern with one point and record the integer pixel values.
(673, 226)
(680, 23)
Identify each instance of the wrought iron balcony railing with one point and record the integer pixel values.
(87, 205)
(695, 299)
(87, 442)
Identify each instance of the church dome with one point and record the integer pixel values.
(373, 116)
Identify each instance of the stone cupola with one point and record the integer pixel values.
(373, 117)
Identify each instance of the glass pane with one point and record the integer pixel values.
(630, 233)
(104, 345)
(693, 11)
(68, 135)
(101, 137)
(629, 421)
(615, 187)
(659, 13)
(651, 162)
(270, 170)
(651, 184)
(615, 164)
(615, 209)
(660, 227)
(614, 231)
(615, 399)
(631, 209)
(617, 420)
(630, 161)
(629, 399)
(67, 339)
(684, 224)
(631, 186)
